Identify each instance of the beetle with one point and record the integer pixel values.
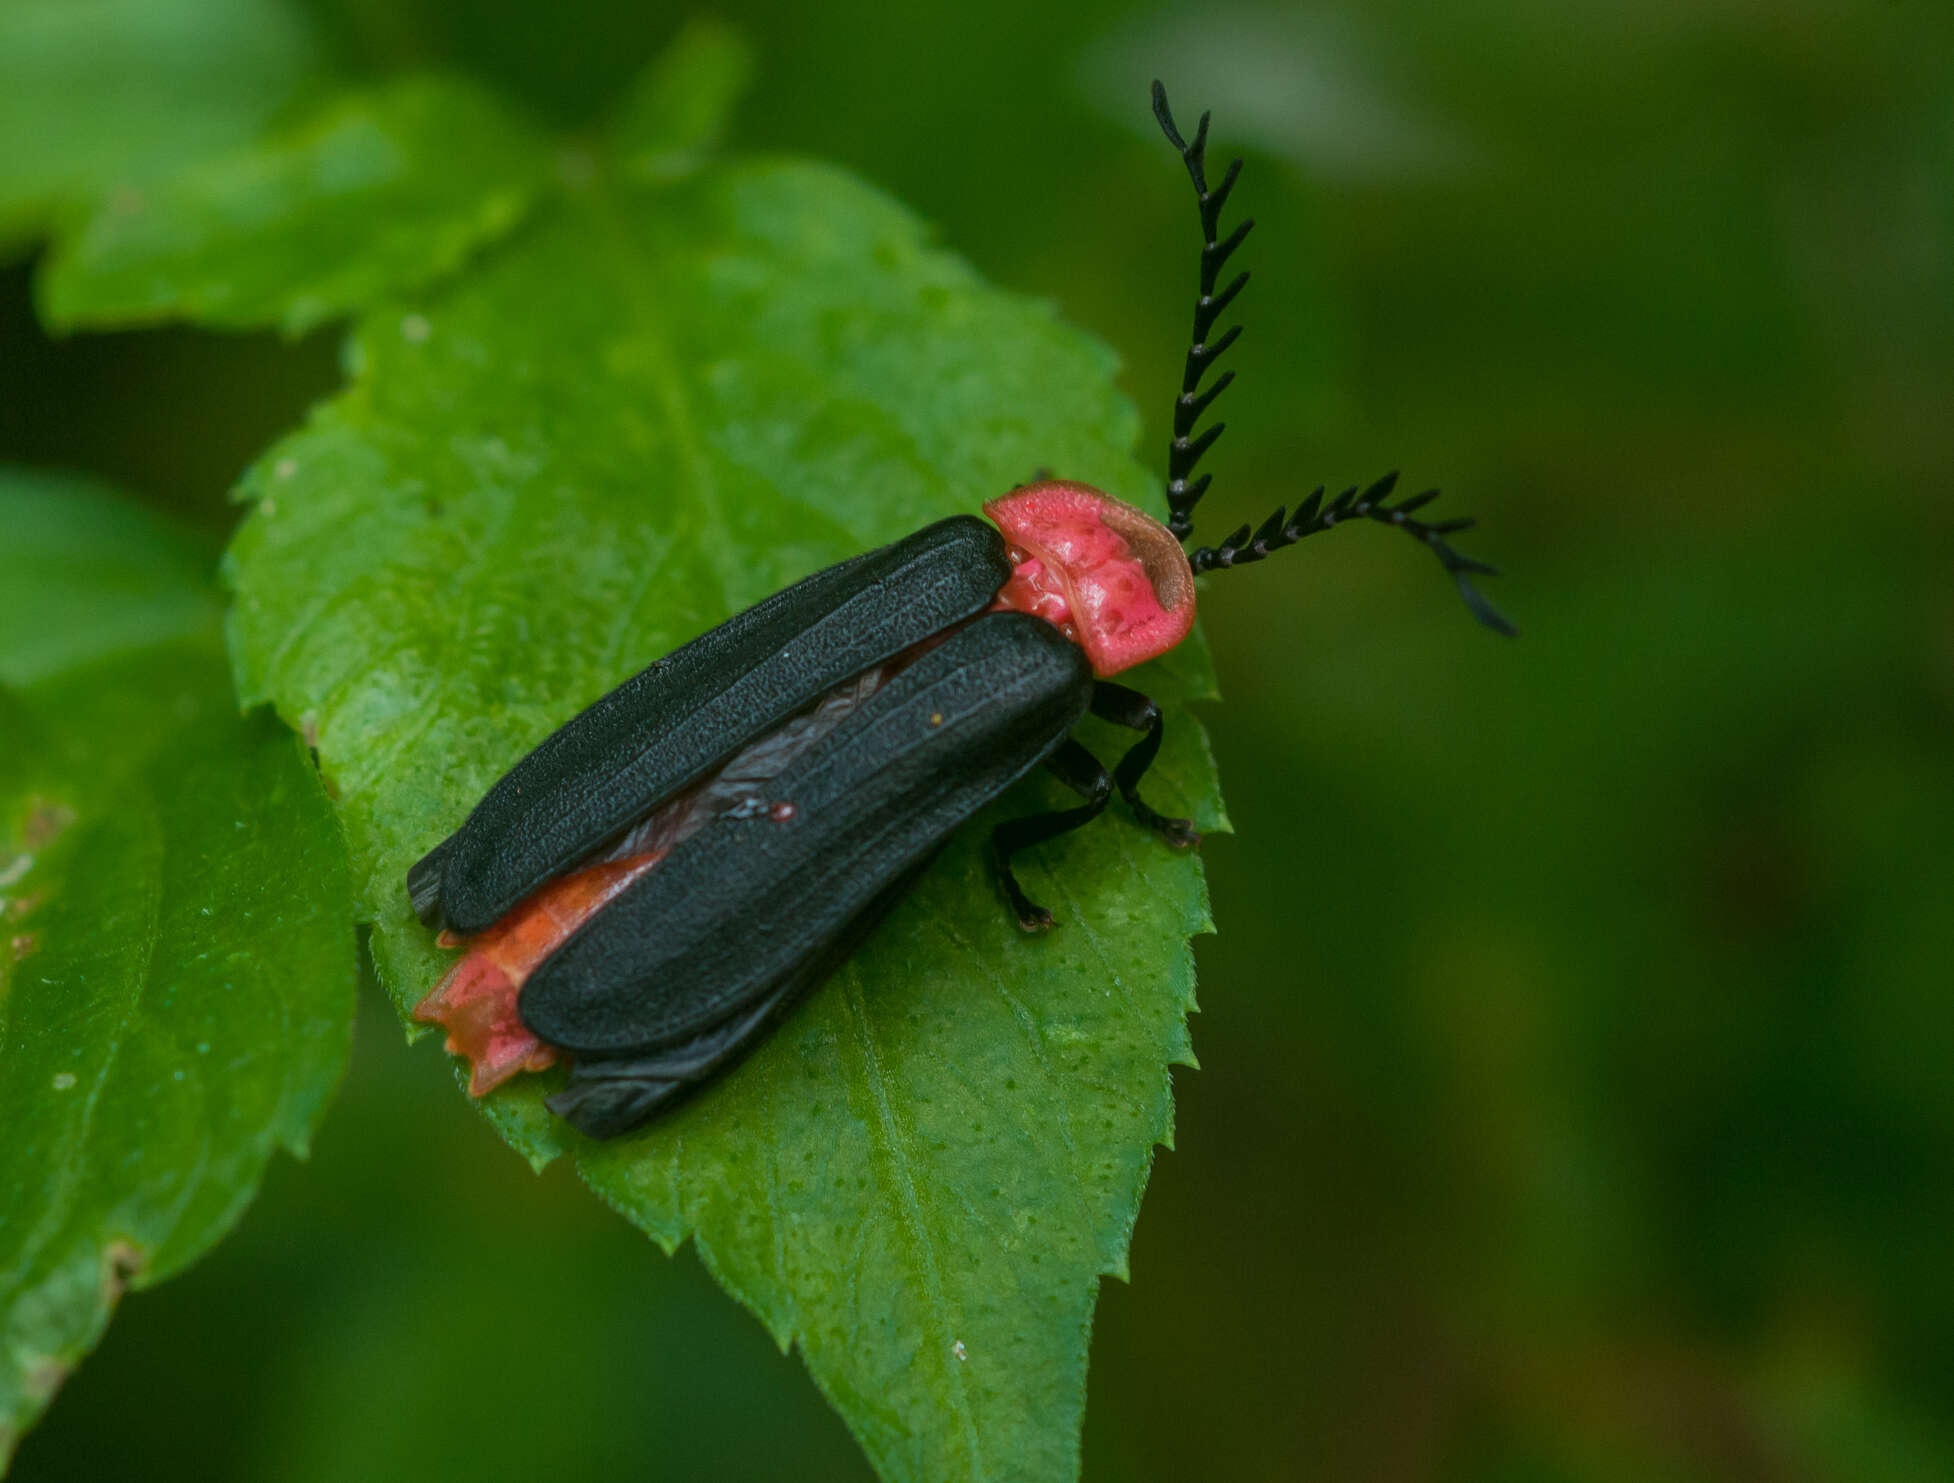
(653, 887)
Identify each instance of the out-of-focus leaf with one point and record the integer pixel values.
(101, 96)
(679, 108)
(176, 961)
(84, 574)
(648, 410)
(380, 193)
(1299, 83)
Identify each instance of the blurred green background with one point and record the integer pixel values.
(1577, 1100)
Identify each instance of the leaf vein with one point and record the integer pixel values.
(911, 1207)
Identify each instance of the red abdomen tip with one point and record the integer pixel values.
(476, 1001)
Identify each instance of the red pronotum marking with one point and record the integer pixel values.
(1112, 578)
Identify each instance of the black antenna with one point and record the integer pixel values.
(1313, 515)
(1186, 450)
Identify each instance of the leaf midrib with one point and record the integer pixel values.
(912, 1222)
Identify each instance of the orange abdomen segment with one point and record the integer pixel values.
(476, 1001)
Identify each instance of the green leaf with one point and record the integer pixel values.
(673, 118)
(176, 965)
(380, 193)
(102, 96)
(648, 411)
(84, 574)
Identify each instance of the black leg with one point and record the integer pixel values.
(1124, 707)
(1080, 771)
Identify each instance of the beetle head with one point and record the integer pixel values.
(1113, 578)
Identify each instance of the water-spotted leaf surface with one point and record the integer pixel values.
(176, 959)
(651, 407)
(100, 97)
(378, 193)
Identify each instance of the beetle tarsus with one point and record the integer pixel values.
(1032, 918)
(1179, 834)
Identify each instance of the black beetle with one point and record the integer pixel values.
(653, 887)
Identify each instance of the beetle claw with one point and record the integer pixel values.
(1180, 833)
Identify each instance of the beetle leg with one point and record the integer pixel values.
(1080, 771)
(1124, 707)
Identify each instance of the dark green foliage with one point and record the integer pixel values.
(102, 98)
(376, 194)
(176, 960)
